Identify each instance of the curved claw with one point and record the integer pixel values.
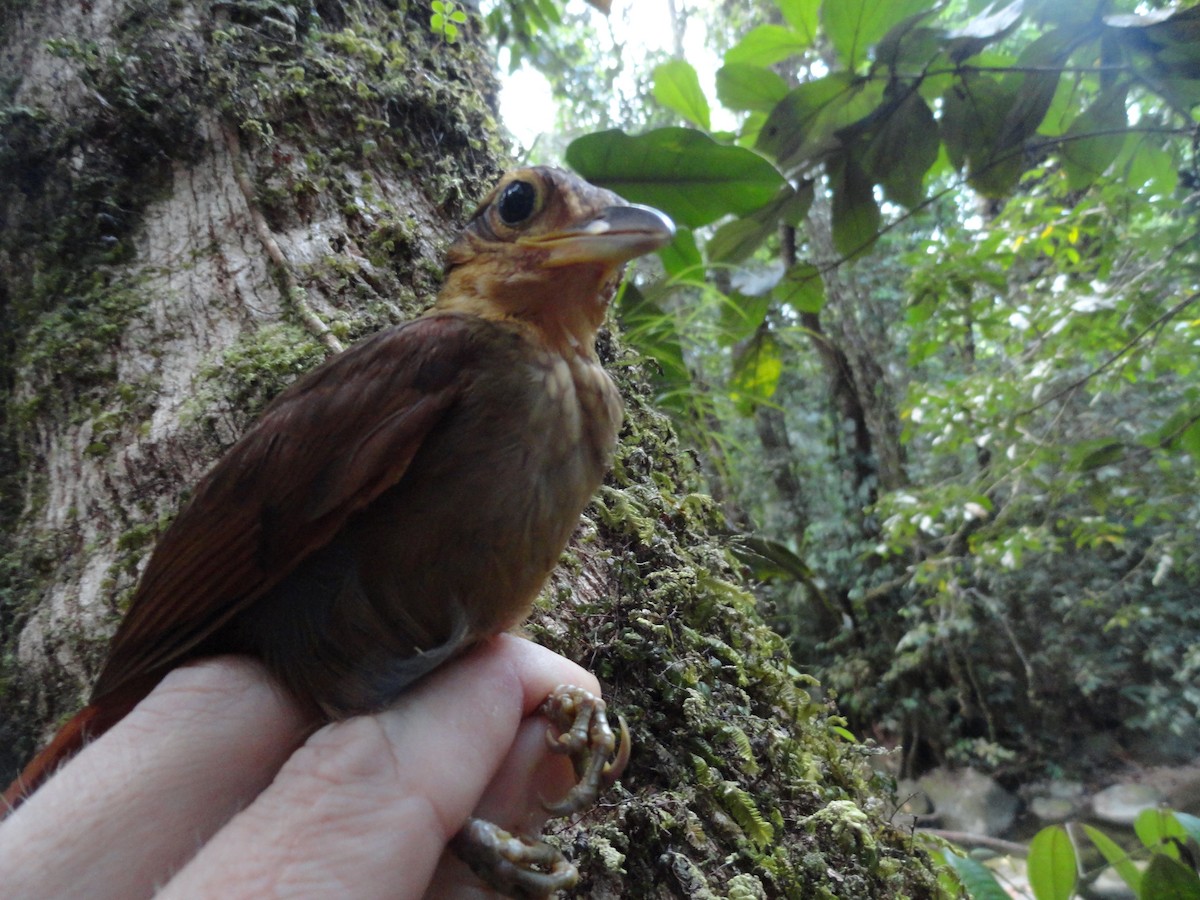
(580, 729)
(515, 866)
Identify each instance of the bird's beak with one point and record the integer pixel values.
(614, 235)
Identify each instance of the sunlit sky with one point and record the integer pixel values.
(526, 104)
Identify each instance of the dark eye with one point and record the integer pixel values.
(516, 202)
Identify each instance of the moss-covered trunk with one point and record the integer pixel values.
(204, 199)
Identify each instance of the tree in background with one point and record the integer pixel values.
(945, 371)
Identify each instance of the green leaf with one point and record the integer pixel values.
(1189, 823)
(854, 25)
(756, 372)
(855, 213)
(1168, 879)
(1091, 455)
(902, 150)
(802, 288)
(974, 113)
(1154, 828)
(1116, 857)
(745, 86)
(1153, 168)
(1051, 864)
(683, 172)
(681, 258)
(741, 315)
(736, 240)
(977, 878)
(806, 124)
(1095, 138)
(677, 87)
(992, 24)
(651, 331)
(770, 560)
(802, 15)
(767, 45)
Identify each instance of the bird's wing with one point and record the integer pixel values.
(323, 450)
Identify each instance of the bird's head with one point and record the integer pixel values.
(548, 248)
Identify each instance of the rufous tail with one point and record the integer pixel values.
(86, 725)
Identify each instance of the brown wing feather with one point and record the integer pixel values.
(324, 449)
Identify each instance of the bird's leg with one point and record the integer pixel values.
(527, 867)
(579, 728)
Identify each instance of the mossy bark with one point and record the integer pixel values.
(207, 198)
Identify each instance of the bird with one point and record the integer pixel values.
(409, 497)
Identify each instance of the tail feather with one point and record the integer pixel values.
(86, 725)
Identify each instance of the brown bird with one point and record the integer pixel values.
(410, 496)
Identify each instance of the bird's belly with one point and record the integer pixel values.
(456, 551)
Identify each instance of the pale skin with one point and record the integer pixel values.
(210, 789)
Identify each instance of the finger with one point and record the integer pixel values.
(529, 774)
(366, 807)
(135, 804)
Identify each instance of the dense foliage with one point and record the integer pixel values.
(931, 321)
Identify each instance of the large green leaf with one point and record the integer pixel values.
(974, 113)
(806, 124)
(903, 149)
(677, 87)
(767, 45)
(1167, 879)
(802, 288)
(1095, 138)
(802, 15)
(854, 25)
(746, 86)
(681, 258)
(683, 172)
(855, 212)
(1051, 864)
(735, 241)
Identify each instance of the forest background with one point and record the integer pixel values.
(930, 326)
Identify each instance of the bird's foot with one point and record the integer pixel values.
(526, 867)
(515, 866)
(579, 728)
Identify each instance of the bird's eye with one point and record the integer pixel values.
(517, 202)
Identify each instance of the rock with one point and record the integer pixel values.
(968, 800)
(1055, 801)
(1121, 803)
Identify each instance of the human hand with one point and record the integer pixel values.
(209, 787)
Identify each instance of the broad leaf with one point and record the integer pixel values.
(805, 125)
(681, 258)
(1051, 864)
(677, 87)
(767, 45)
(735, 241)
(1095, 138)
(855, 213)
(1154, 828)
(903, 149)
(746, 86)
(1168, 879)
(683, 172)
(992, 24)
(855, 25)
(802, 15)
(802, 288)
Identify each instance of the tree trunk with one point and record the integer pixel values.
(203, 200)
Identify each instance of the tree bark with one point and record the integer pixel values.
(204, 200)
